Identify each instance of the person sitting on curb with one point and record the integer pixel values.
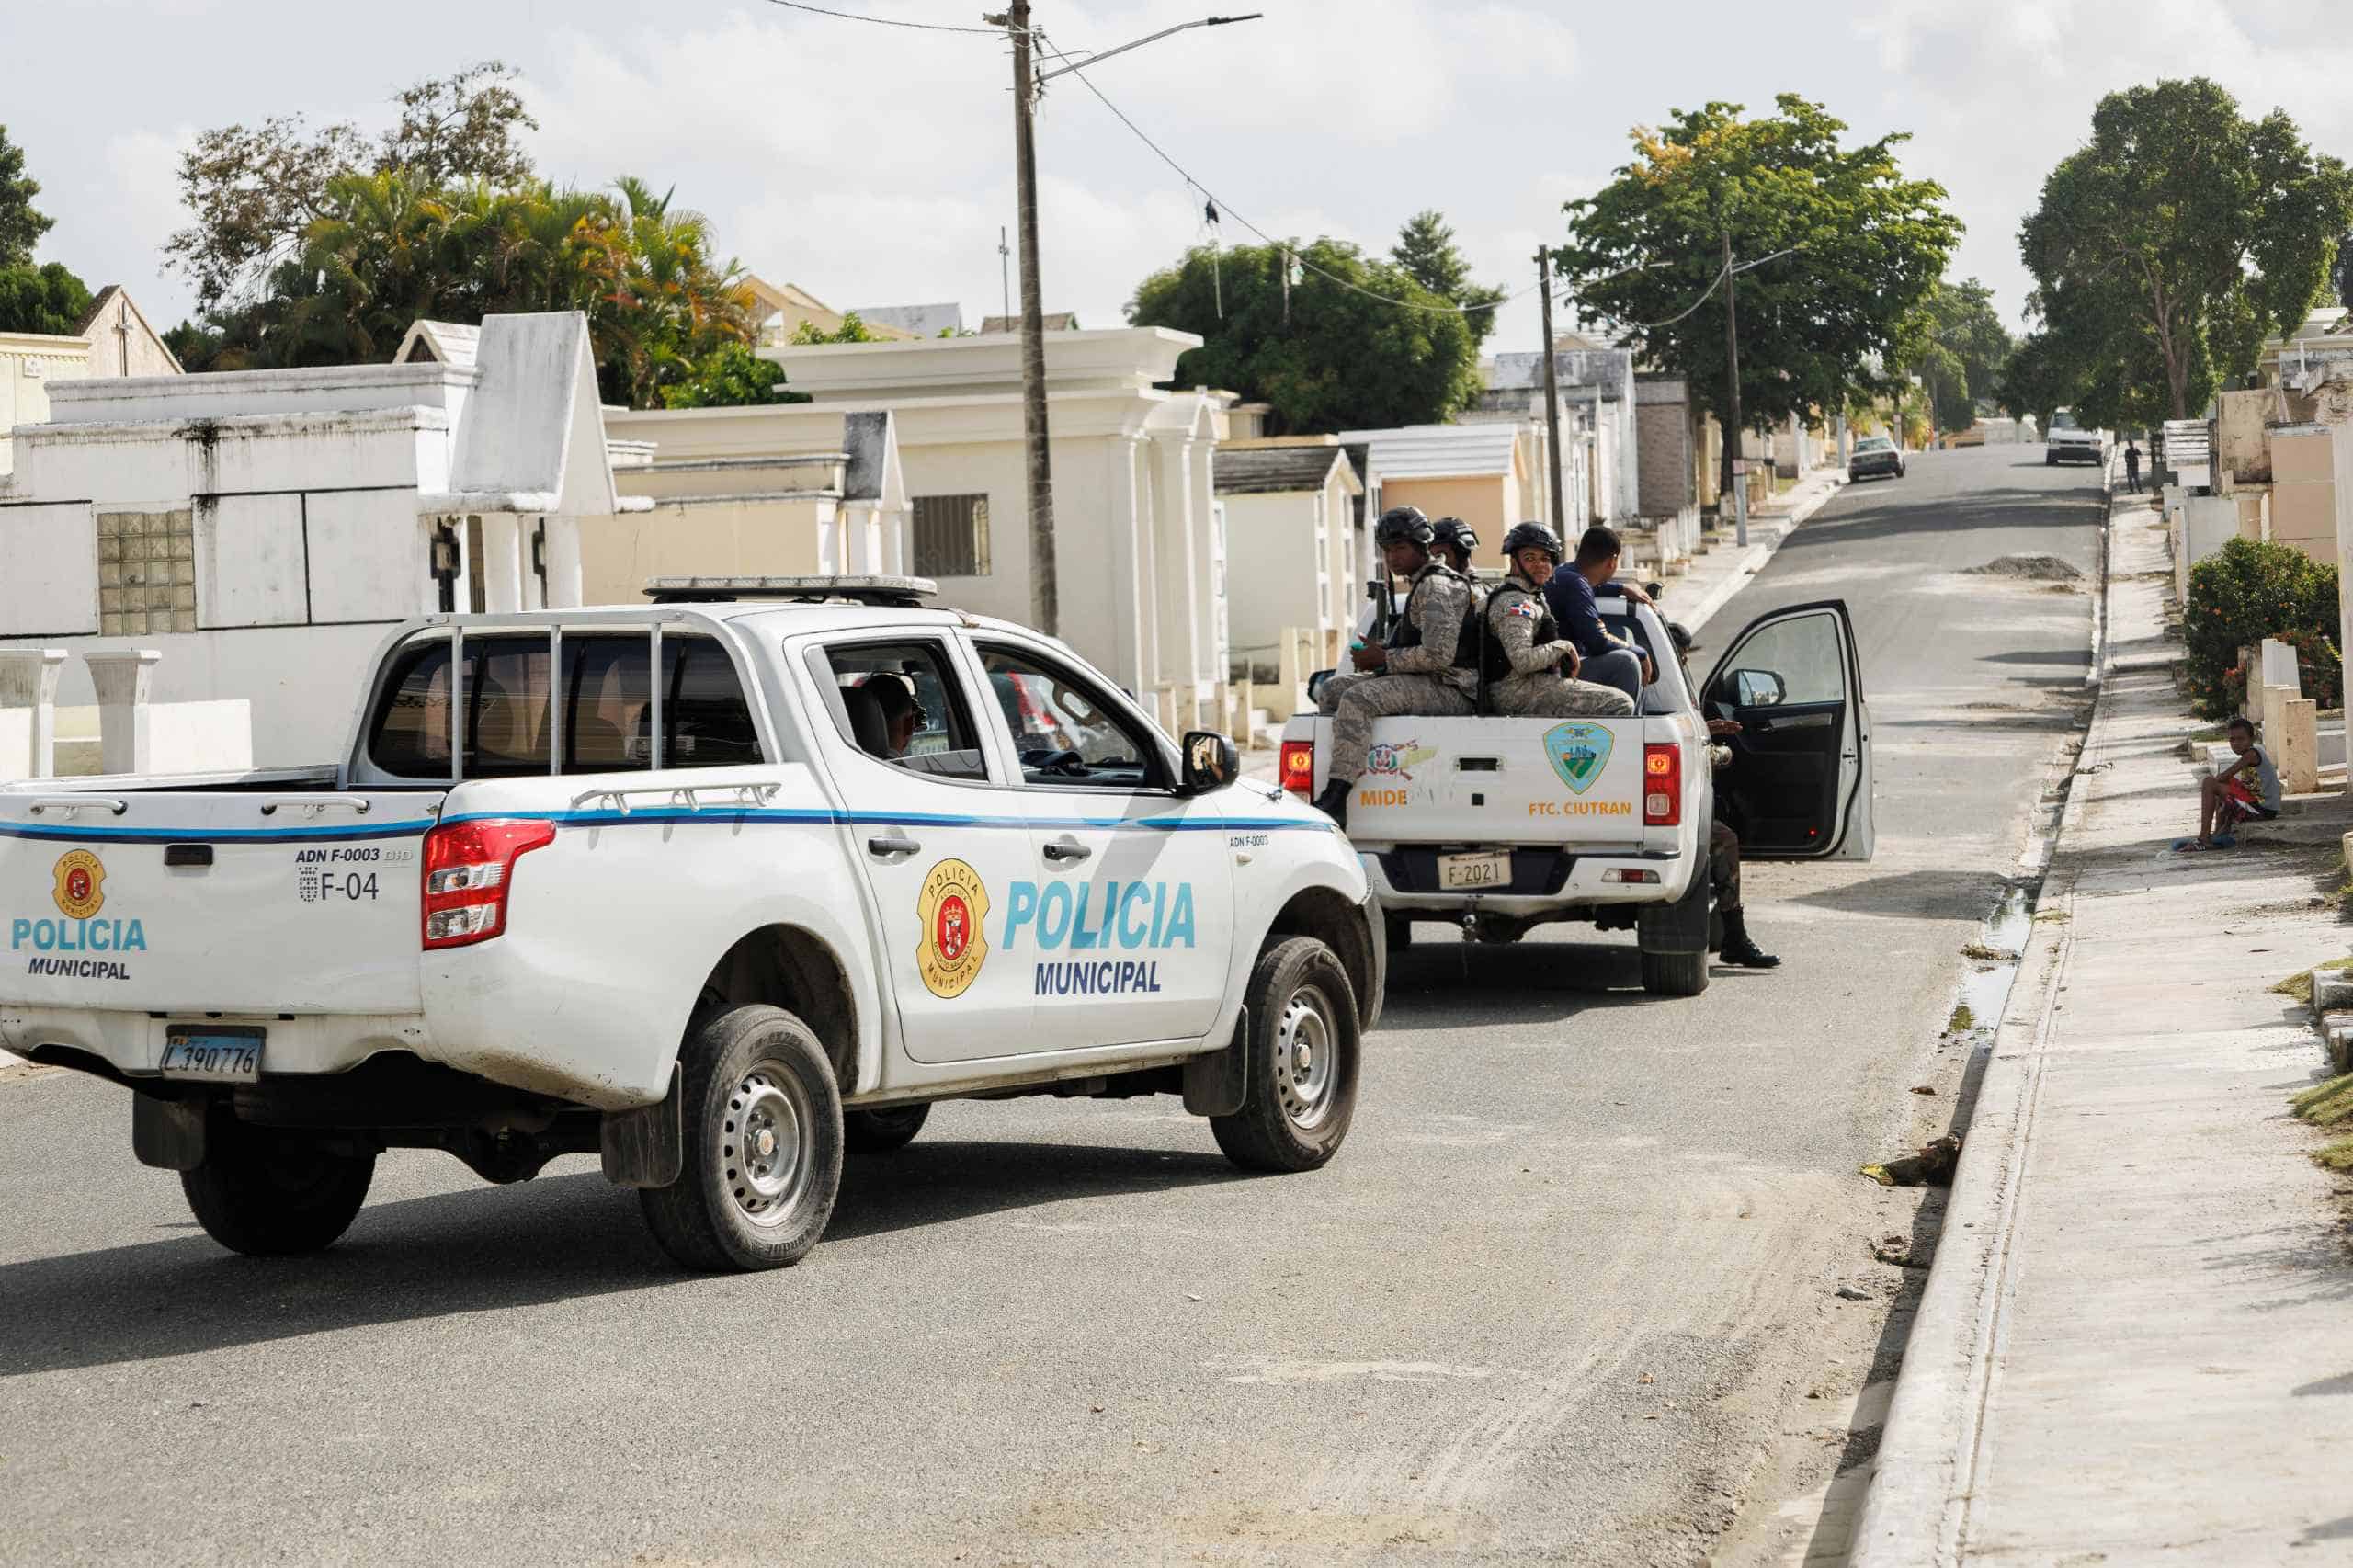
(2247, 788)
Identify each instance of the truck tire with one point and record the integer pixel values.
(881, 1131)
(1675, 974)
(763, 1144)
(1675, 938)
(1303, 1049)
(273, 1194)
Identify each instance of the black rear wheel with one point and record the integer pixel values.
(271, 1193)
(763, 1145)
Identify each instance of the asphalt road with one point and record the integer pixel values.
(1563, 1296)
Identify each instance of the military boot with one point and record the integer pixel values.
(1333, 802)
(1739, 951)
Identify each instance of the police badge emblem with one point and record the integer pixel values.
(954, 910)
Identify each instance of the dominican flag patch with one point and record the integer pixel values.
(1524, 608)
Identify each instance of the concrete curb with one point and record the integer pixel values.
(1926, 1471)
(1720, 592)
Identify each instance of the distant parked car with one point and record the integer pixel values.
(1876, 455)
(2069, 442)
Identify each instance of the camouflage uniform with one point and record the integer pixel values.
(1426, 676)
(1524, 640)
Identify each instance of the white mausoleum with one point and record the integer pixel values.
(1139, 542)
(261, 530)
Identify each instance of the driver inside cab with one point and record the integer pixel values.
(902, 715)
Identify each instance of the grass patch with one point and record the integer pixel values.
(2337, 1156)
(2325, 1104)
(1962, 1021)
(2053, 916)
(2297, 986)
(1984, 953)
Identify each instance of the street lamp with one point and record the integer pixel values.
(1045, 600)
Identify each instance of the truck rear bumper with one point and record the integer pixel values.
(132, 1044)
(1583, 885)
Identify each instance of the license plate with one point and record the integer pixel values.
(218, 1055)
(1491, 870)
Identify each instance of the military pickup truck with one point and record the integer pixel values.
(1498, 825)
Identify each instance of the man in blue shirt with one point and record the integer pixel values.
(1611, 661)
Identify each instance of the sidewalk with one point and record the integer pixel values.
(2133, 1343)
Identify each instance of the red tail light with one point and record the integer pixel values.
(469, 869)
(1662, 785)
(1298, 767)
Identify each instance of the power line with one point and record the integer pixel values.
(888, 21)
(1721, 273)
(1227, 208)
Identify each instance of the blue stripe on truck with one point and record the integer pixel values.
(416, 826)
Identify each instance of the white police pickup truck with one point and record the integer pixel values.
(1502, 825)
(713, 888)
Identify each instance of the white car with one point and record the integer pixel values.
(2067, 441)
(1503, 825)
(708, 912)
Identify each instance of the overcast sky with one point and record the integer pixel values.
(873, 164)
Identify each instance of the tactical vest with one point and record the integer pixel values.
(1497, 664)
(1466, 644)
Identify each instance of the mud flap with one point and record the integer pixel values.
(646, 1147)
(1680, 926)
(167, 1133)
(1217, 1082)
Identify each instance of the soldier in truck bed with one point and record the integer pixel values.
(1530, 668)
(1430, 664)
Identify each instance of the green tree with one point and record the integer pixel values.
(1817, 326)
(256, 190)
(1957, 345)
(1301, 328)
(2036, 381)
(852, 330)
(2165, 250)
(43, 298)
(21, 226)
(2246, 592)
(389, 247)
(732, 376)
(1427, 251)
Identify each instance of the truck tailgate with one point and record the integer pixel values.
(212, 900)
(1501, 781)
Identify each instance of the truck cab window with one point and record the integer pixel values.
(898, 703)
(705, 721)
(1067, 734)
(506, 710)
(607, 713)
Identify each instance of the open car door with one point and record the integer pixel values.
(1800, 784)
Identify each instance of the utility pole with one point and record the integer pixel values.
(1045, 599)
(1734, 464)
(1551, 389)
(1004, 269)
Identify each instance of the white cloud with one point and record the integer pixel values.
(873, 163)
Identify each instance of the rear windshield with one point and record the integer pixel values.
(607, 687)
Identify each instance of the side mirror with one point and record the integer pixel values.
(1758, 688)
(1211, 762)
(1657, 591)
(1315, 685)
